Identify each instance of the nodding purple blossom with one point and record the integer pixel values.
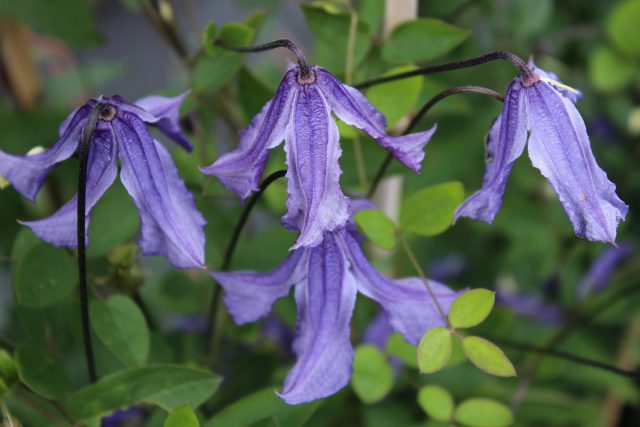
(300, 114)
(596, 279)
(327, 278)
(540, 110)
(171, 225)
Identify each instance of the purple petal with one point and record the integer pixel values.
(573, 95)
(59, 229)
(406, 302)
(164, 112)
(505, 143)
(602, 269)
(171, 224)
(559, 147)
(531, 307)
(353, 108)
(27, 173)
(316, 203)
(378, 331)
(325, 304)
(241, 169)
(250, 295)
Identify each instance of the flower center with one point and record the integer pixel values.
(107, 112)
(306, 77)
(530, 80)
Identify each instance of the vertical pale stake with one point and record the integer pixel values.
(389, 193)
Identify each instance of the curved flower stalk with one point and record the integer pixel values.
(327, 278)
(540, 110)
(171, 225)
(300, 113)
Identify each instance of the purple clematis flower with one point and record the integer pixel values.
(539, 109)
(171, 224)
(327, 278)
(602, 269)
(300, 113)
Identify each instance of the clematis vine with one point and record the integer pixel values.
(327, 278)
(539, 110)
(171, 225)
(300, 114)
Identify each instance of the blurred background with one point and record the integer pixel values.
(553, 289)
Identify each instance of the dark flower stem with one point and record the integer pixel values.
(567, 356)
(211, 334)
(472, 62)
(305, 70)
(83, 154)
(433, 101)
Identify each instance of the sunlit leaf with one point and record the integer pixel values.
(471, 308)
(430, 211)
(372, 377)
(377, 227)
(436, 402)
(622, 27)
(434, 350)
(488, 357)
(395, 99)
(482, 412)
(182, 416)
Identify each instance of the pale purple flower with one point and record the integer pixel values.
(300, 114)
(539, 109)
(171, 224)
(327, 278)
(531, 307)
(602, 269)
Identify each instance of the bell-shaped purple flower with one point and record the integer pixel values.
(171, 224)
(300, 113)
(539, 109)
(327, 278)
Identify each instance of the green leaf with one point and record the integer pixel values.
(488, 357)
(434, 350)
(71, 21)
(422, 39)
(436, 402)
(253, 93)
(395, 99)
(377, 227)
(430, 211)
(8, 372)
(372, 377)
(40, 374)
(168, 386)
(331, 27)
(122, 328)
(471, 308)
(398, 347)
(263, 405)
(482, 412)
(622, 27)
(45, 276)
(105, 233)
(208, 38)
(182, 416)
(213, 71)
(609, 71)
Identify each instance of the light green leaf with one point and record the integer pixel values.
(488, 357)
(436, 402)
(208, 38)
(168, 386)
(71, 21)
(430, 211)
(422, 39)
(331, 27)
(263, 405)
(377, 227)
(434, 350)
(398, 347)
(609, 71)
(212, 71)
(471, 308)
(482, 412)
(122, 328)
(372, 377)
(395, 99)
(182, 416)
(8, 372)
(622, 27)
(105, 233)
(45, 276)
(40, 374)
